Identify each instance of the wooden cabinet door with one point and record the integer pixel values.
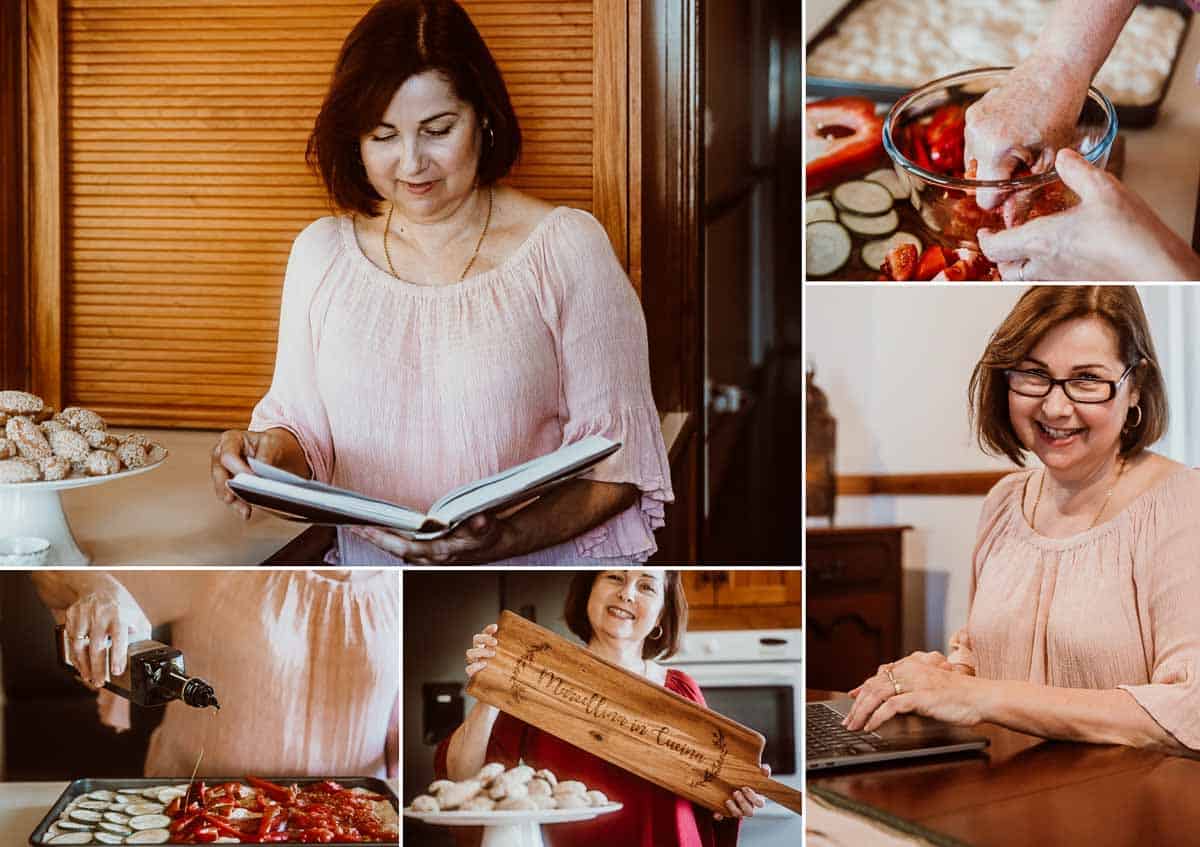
(700, 589)
(759, 588)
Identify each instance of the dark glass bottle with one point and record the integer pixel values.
(154, 675)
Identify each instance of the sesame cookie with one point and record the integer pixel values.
(30, 440)
(20, 403)
(19, 470)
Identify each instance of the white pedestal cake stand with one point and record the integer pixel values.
(512, 829)
(35, 508)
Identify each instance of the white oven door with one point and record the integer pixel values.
(766, 697)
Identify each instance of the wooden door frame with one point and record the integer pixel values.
(14, 352)
(669, 102)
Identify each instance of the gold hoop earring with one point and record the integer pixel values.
(1138, 422)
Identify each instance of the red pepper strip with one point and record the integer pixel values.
(180, 824)
(849, 135)
(206, 835)
(275, 792)
(328, 786)
(268, 820)
(223, 825)
(233, 790)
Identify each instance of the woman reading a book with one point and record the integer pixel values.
(444, 327)
(630, 618)
(1082, 622)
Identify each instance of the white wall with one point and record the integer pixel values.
(895, 362)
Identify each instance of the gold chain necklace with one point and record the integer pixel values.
(1103, 506)
(387, 226)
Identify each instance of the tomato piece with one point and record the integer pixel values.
(931, 263)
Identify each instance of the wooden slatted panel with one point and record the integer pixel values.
(184, 126)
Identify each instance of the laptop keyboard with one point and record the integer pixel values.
(825, 736)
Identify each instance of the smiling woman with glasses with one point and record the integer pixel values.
(1082, 623)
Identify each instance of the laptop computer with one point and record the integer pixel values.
(830, 745)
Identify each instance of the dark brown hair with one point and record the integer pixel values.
(1039, 310)
(673, 620)
(395, 40)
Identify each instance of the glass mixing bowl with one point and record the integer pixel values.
(947, 204)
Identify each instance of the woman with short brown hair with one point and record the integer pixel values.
(444, 327)
(1082, 622)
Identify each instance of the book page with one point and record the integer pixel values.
(522, 481)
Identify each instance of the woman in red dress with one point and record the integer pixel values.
(631, 618)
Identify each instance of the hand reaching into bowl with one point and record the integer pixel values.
(1023, 121)
(1111, 235)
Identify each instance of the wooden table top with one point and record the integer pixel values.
(1027, 790)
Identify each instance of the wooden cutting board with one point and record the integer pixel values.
(585, 700)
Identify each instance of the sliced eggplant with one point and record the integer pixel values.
(107, 796)
(149, 822)
(149, 836)
(115, 828)
(135, 809)
(871, 224)
(819, 210)
(109, 838)
(889, 180)
(827, 247)
(116, 817)
(875, 252)
(72, 838)
(92, 805)
(85, 816)
(860, 197)
(130, 790)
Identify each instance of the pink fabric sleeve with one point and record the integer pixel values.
(604, 369)
(1169, 595)
(293, 401)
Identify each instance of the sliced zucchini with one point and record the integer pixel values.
(93, 805)
(860, 197)
(871, 224)
(116, 817)
(107, 796)
(166, 795)
(149, 836)
(149, 822)
(889, 180)
(130, 790)
(65, 823)
(116, 828)
(85, 816)
(875, 252)
(819, 210)
(827, 247)
(109, 838)
(72, 838)
(135, 809)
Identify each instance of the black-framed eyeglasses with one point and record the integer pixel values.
(1078, 389)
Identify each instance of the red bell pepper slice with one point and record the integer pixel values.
(847, 136)
(276, 792)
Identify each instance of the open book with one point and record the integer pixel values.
(305, 500)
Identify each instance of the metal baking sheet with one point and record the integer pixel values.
(87, 785)
(1127, 116)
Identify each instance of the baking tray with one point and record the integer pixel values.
(1127, 116)
(88, 784)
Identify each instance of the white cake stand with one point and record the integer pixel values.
(512, 829)
(35, 508)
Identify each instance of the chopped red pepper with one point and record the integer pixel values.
(847, 136)
(931, 263)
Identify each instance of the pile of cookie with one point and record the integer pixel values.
(496, 789)
(39, 445)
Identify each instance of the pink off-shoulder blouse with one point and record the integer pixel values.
(1112, 607)
(404, 391)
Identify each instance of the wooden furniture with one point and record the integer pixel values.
(854, 603)
(743, 599)
(598, 706)
(1027, 790)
